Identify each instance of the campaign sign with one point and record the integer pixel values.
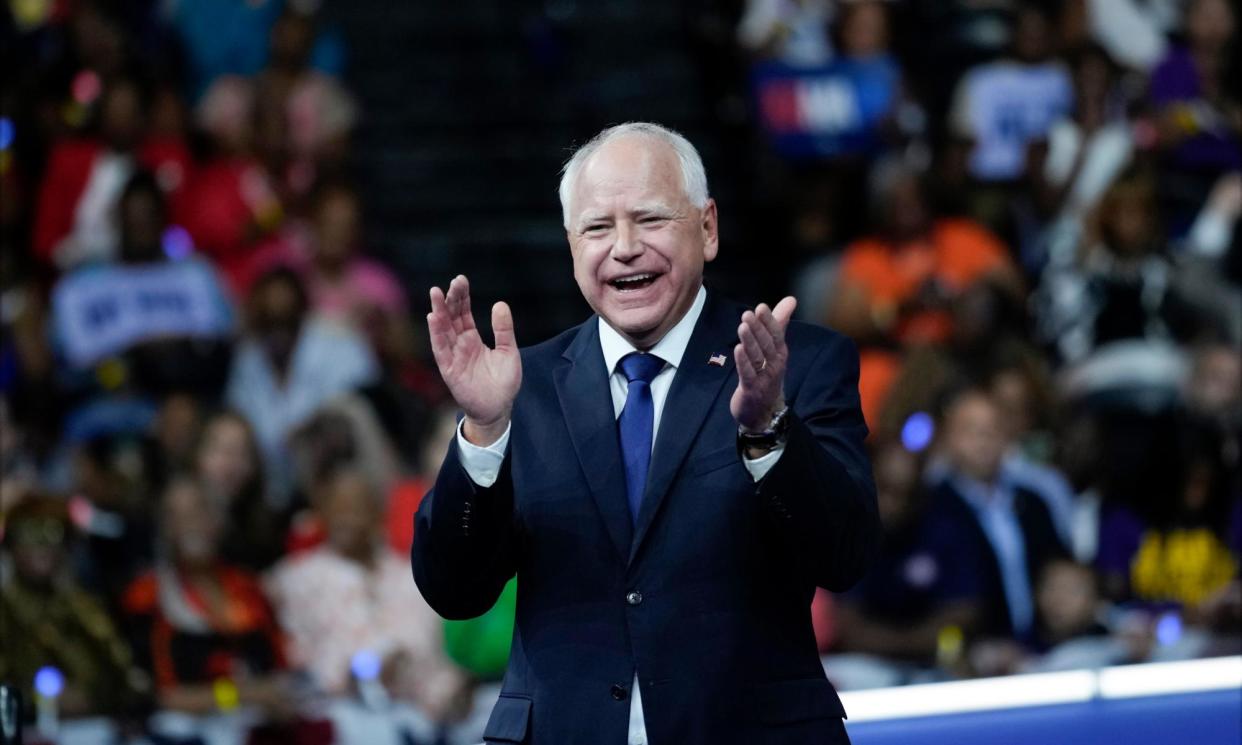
(100, 311)
(826, 110)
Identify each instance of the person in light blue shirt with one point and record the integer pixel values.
(1006, 528)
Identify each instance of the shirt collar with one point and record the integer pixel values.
(983, 497)
(670, 349)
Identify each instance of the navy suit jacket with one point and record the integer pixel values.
(952, 520)
(706, 594)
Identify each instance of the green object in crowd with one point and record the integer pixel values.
(481, 645)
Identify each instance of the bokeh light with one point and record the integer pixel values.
(917, 432)
(49, 682)
(177, 242)
(86, 87)
(365, 664)
(1168, 628)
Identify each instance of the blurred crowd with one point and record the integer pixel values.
(1025, 214)
(217, 416)
(212, 409)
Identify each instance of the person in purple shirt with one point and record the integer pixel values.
(1190, 91)
(1197, 112)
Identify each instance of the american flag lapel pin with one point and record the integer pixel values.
(716, 359)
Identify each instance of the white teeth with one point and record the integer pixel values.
(634, 279)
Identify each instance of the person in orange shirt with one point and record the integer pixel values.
(897, 284)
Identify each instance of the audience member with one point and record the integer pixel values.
(1000, 107)
(353, 595)
(162, 312)
(1178, 550)
(233, 206)
(203, 627)
(1123, 286)
(1080, 157)
(50, 620)
(1007, 531)
(229, 466)
(344, 285)
(1199, 115)
(288, 364)
(922, 592)
(319, 113)
(897, 284)
(74, 221)
(1070, 633)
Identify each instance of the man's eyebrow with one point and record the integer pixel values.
(589, 217)
(659, 208)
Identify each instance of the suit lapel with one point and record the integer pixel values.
(696, 386)
(586, 403)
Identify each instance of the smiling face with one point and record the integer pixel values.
(638, 243)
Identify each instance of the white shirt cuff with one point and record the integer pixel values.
(759, 467)
(482, 464)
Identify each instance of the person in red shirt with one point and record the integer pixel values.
(75, 220)
(202, 626)
(233, 210)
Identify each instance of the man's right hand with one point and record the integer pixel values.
(483, 381)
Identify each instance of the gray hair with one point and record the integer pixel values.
(693, 175)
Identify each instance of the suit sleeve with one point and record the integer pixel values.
(820, 496)
(465, 540)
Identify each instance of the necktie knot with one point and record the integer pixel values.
(641, 366)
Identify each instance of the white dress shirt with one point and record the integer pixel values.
(482, 464)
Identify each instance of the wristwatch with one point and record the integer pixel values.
(770, 437)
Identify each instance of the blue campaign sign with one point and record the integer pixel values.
(827, 110)
(101, 311)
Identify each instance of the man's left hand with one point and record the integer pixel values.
(761, 356)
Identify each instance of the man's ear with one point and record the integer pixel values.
(711, 231)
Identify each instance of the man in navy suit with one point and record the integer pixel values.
(669, 480)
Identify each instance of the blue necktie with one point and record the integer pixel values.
(636, 423)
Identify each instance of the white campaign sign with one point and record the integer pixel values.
(100, 311)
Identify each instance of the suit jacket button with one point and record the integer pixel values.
(618, 692)
(634, 597)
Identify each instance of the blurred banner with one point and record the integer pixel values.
(828, 110)
(100, 311)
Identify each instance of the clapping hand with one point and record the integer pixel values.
(761, 357)
(483, 381)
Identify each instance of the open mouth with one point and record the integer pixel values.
(633, 282)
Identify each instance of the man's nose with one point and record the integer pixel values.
(627, 245)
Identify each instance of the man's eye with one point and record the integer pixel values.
(595, 228)
(652, 220)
